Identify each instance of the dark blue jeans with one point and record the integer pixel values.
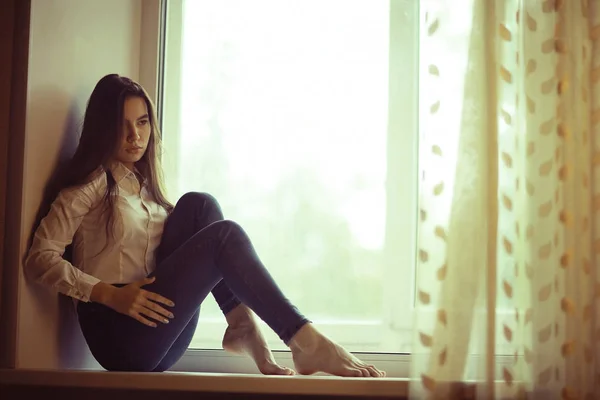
(199, 253)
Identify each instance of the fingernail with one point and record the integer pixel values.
(154, 325)
(172, 304)
(166, 321)
(171, 316)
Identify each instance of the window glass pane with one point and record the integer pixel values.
(283, 116)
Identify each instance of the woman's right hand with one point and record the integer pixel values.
(136, 302)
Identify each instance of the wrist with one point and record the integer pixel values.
(101, 293)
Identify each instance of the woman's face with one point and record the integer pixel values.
(136, 130)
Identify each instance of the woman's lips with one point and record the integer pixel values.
(133, 150)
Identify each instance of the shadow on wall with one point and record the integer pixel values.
(73, 352)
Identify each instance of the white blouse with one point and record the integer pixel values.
(76, 216)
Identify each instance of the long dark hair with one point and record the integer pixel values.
(101, 137)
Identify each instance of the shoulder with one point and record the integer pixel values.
(90, 192)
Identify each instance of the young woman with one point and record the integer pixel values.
(142, 268)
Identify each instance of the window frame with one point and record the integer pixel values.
(400, 297)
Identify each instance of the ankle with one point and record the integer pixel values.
(239, 316)
(306, 339)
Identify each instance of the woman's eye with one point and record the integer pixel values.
(143, 122)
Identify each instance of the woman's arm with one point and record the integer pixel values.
(45, 263)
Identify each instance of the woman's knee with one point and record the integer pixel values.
(223, 228)
(231, 227)
(198, 199)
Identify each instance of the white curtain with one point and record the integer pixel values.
(509, 235)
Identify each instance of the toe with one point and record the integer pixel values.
(353, 372)
(374, 372)
(275, 369)
(289, 371)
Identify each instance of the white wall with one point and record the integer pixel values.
(73, 43)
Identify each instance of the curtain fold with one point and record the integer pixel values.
(508, 234)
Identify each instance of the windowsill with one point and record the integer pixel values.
(210, 382)
(222, 362)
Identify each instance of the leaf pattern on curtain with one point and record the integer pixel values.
(509, 234)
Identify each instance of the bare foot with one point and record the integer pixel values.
(313, 352)
(243, 336)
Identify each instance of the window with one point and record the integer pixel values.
(300, 117)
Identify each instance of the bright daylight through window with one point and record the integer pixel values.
(299, 117)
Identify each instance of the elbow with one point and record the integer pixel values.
(34, 266)
(29, 266)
